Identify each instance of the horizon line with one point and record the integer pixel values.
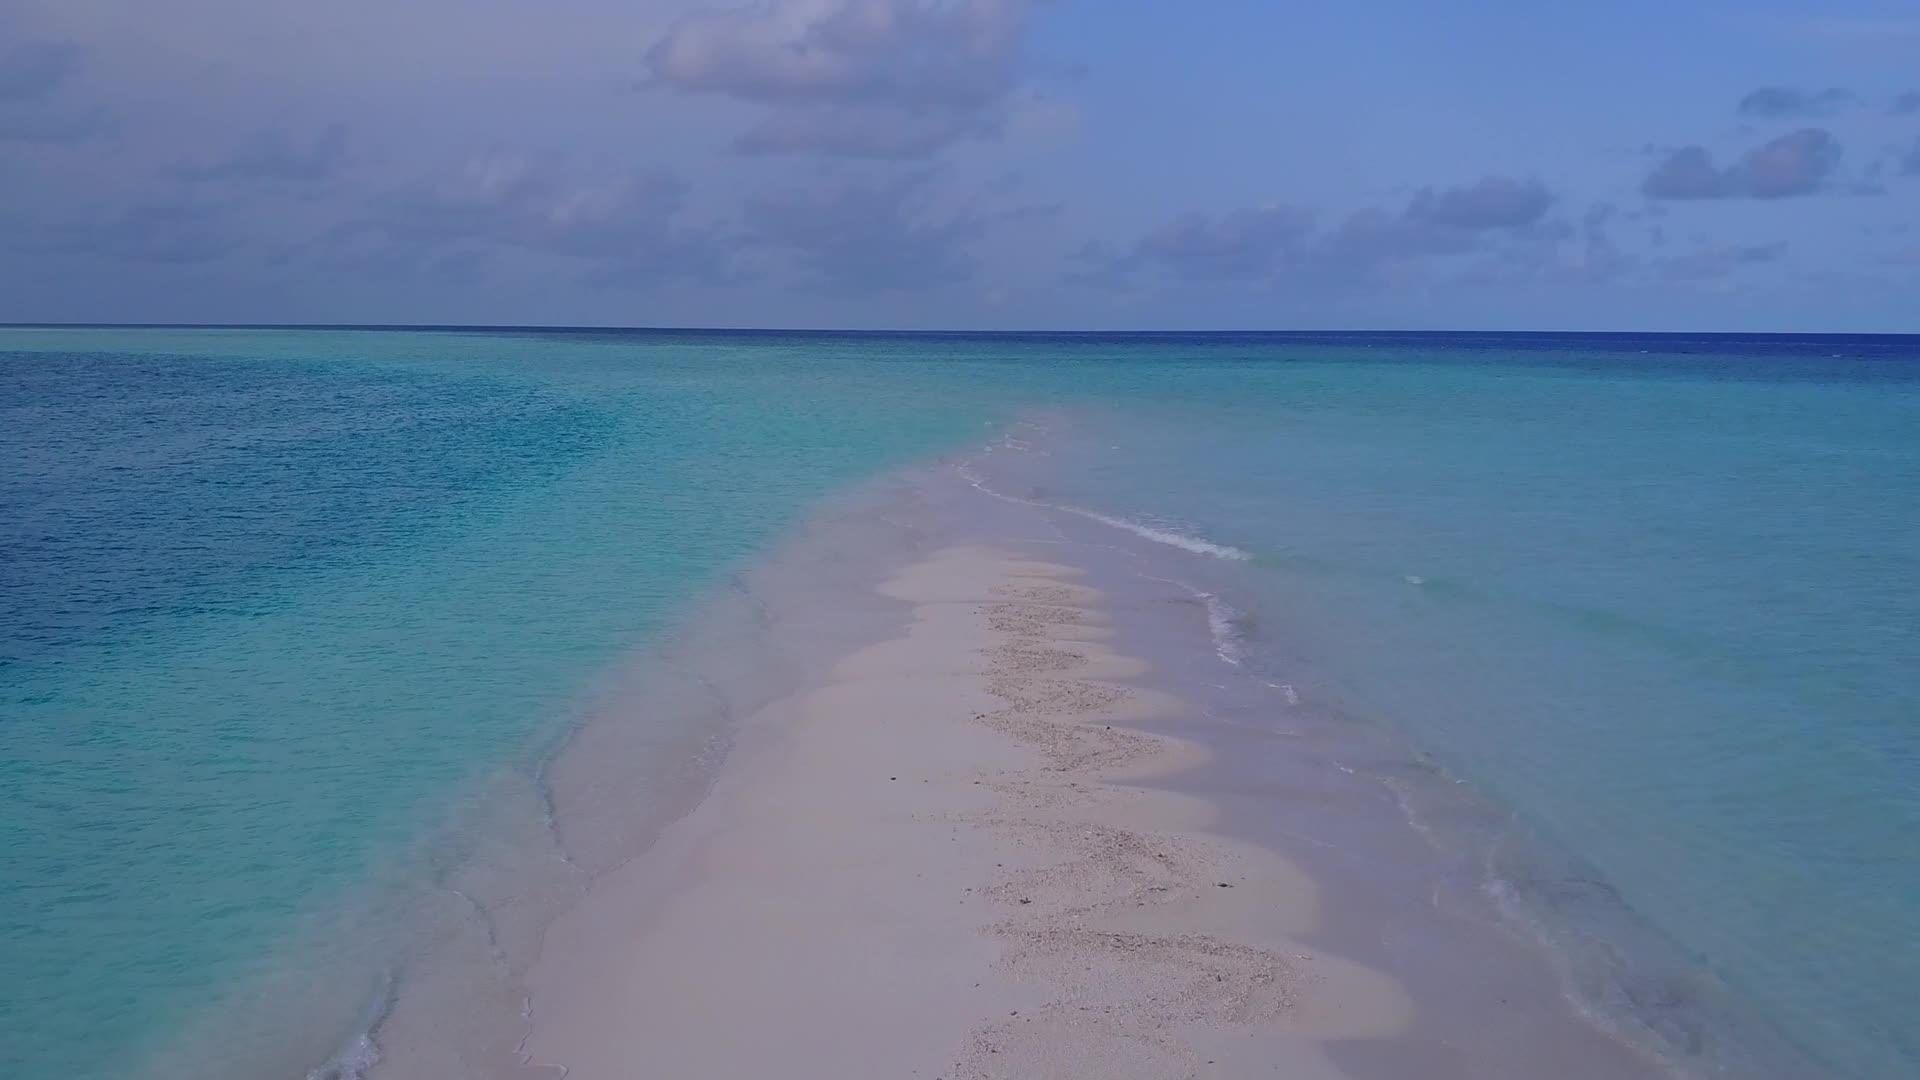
(935, 332)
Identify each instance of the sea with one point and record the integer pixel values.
(297, 627)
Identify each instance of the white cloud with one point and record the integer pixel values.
(854, 78)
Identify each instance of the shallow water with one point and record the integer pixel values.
(289, 622)
(1665, 619)
(273, 601)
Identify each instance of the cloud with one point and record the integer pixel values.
(1907, 104)
(1372, 241)
(531, 214)
(879, 237)
(621, 226)
(1598, 256)
(1276, 242)
(1494, 203)
(1794, 164)
(853, 78)
(53, 125)
(32, 75)
(1451, 238)
(32, 70)
(1687, 173)
(1714, 263)
(1773, 101)
(272, 155)
(1877, 33)
(1248, 243)
(862, 131)
(160, 233)
(904, 52)
(1579, 252)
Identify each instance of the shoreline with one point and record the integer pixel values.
(803, 902)
(1553, 780)
(1235, 771)
(935, 865)
(926, 756)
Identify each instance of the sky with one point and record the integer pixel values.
(964, 164)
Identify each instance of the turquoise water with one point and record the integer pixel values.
(1666, 612)
(270, 600)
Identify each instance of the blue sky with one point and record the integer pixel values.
(963, 163)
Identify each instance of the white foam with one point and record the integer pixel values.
(1159, 536)
(1226, 642)
(353, 1062)
(356, 1060)
(1194, 544)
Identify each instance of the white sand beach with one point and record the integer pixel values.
(934, 865)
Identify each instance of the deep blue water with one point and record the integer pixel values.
(269, 599)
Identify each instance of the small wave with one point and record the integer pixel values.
(354, 1061)
(1226, 639)
(357, 1058)
(550, 816)
(1223, 625)
(1158, 535)
(964, 470)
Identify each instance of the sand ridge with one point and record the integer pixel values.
(1114, 908)
(940, 863)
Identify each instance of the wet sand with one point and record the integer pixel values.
(953, 786)
(941, 861)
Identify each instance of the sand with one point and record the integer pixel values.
(946, 860)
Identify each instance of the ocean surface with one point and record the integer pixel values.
(291, 622)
